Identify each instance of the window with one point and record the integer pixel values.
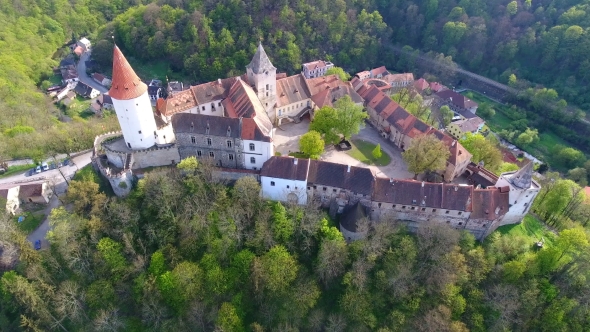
(413, 208)
(129, 145)
(403, 206)
(423, 209)
(315, 187)
(231, 156)
(193, 139)
(139, 132)
(308, 188)
(203, 108)
(295, 187)
(460, 223)
(267, 88)
(379, 205)
(208, 141)
(460, 213)
(325, 188)
(267, 94)
(229, 144)
(413, 201)
(333, 190)
(252, 147)
(199, 153)
(272, 183)
(447, 212)
(219, 104)
(433, 210)
(280, 112)
(288, 187)
(211, 154)
(252, 160)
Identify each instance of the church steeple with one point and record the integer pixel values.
(125, 84)
(523, 177)
(260, 62)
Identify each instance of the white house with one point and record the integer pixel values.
(85, 44)
(285, 179)
(316, 68)
(523, 190)
(10, 194)
(101, 79)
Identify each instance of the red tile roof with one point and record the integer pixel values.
(125, 84)
(489, 204)
(421, 85)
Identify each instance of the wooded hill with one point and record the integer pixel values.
(184, 253)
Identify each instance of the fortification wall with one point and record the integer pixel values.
(157, 156)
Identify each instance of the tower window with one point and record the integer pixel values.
(193, 139)
(211, 154)
(252, 160)
(229, 144)
(209, 141)
(267, 88)
(139, 132)
(203, 108)
(129, 145)
(272, 183)
(231, 156)
(252, 147)
(219, 104)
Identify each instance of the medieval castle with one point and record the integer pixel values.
(231, 122)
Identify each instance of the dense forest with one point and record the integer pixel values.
(187, 253)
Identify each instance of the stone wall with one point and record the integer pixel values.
(232, 175)
(222, 154)
(155, 157)
(121, 182)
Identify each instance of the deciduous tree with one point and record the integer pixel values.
(311, 143)
(426, 153)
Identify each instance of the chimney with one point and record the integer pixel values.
(219, 81)
(348, 171)
(295, 161)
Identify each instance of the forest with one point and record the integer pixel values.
(186, 252)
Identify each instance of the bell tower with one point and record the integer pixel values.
(262, 75)
(132, 105)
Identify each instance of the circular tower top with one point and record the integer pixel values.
(125, 84)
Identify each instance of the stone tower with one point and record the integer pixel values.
(262, 75)
(132, 105)
(523, 190)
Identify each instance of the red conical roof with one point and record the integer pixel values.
(126, 84)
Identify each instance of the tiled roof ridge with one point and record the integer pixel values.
(125, 82)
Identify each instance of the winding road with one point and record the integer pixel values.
(84, 78)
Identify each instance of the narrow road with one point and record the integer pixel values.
(84, 78)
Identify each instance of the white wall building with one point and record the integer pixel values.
(285, 179)
(262, 75)
(523, 190)
(316, 68)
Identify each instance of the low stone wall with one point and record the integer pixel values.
(232, 175)
(155, 157)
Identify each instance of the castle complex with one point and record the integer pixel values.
(231, 122)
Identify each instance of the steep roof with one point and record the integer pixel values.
(125, 83)
(358, 180)
(215, 90)
(423, 194)
(319, 84)
(242, 101)
(405, 77)
(489, 204)
(260, 62)
(206, 125)
(458, 154)
(421, 85)
(285, 168)
(291, 90)
(83, 89)
(523, 178)
(176, 103)
(379, 71)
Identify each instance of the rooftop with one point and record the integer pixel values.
(125, 84)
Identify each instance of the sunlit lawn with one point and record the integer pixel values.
(363, 152)
(530, 227)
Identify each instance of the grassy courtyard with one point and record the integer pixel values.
(363, 152)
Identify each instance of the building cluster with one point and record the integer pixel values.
(231, 122)
(355, 192)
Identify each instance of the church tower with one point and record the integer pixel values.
(132, 105)
(523, 190)
(262, 75)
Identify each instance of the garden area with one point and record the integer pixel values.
(363, 152)
(30, 220)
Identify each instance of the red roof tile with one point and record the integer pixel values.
(125, 84)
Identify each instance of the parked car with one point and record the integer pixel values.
(66, 162)
(38, 245)
(44, 167)
(38, 169)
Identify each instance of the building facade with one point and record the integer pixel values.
(316, 68)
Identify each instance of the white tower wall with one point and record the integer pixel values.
(520, 200)
(137, 121)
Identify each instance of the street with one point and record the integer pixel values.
(84, 78)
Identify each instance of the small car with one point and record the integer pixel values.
(38, 245)
(66, 162)
(38, 169)
(44, 167)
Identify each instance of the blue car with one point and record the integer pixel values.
(38, 245)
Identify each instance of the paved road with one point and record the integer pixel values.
(41, 231)
(84, 78)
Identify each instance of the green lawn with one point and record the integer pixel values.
(530, 227)
(363, 152)
(55, 79)
(79, 107)
(31, 222)
(16, 169)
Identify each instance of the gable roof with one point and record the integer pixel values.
(316, 64)
(359, 180)
(405, 77)
(469, 125)
(285, 168)
(125, 83)
(458, 154)
(260, 62)
(486, 202)
(456, 98)
(242, 101)
(421, 85)
(212, 91)
(83, 89)
(99, 77)
(319, 84)
(423, 194)
(291, 90)
(256, 129)
(379, 71)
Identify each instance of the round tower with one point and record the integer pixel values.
(132, 105)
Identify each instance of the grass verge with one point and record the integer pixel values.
(16, 169)
(31, 222)
(363, 152)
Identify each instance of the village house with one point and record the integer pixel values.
(66, 92)
(316, 68)
(422, 86)
(9, 196)
(78, 50)
(35, 193)
(456, 101)
(399, 81)
(101, 79)
(69, 98)
(458, 129)
(285, 179)
(86, 91)
(105, 101)
(85, 44)
(69, 74)
(175, 87)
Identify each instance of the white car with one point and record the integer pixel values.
(38, 169)
(44, 167)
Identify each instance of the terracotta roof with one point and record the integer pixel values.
(242, 101)
(99, 77)
(489, 204)
(587, 191)
(482, 176)
(69, 72)
(319, 84)
(176, 103)
(281, 76)
(291, 90)
(359, 180)
(421, 85)
(260, 62)
(423, 194)
(379, 71)
(363, 74)
(78, 50)
(356, 83)
(469, 125)
(30, 190)
(215, 90)
(316, 64)
(322, 99)
(125, 84)
(436, 87)
(401, 120)
(458, 154)
(285, 168)
(456, 98)
(418, 128)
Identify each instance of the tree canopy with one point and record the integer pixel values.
(426, 153)
(343, 120)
